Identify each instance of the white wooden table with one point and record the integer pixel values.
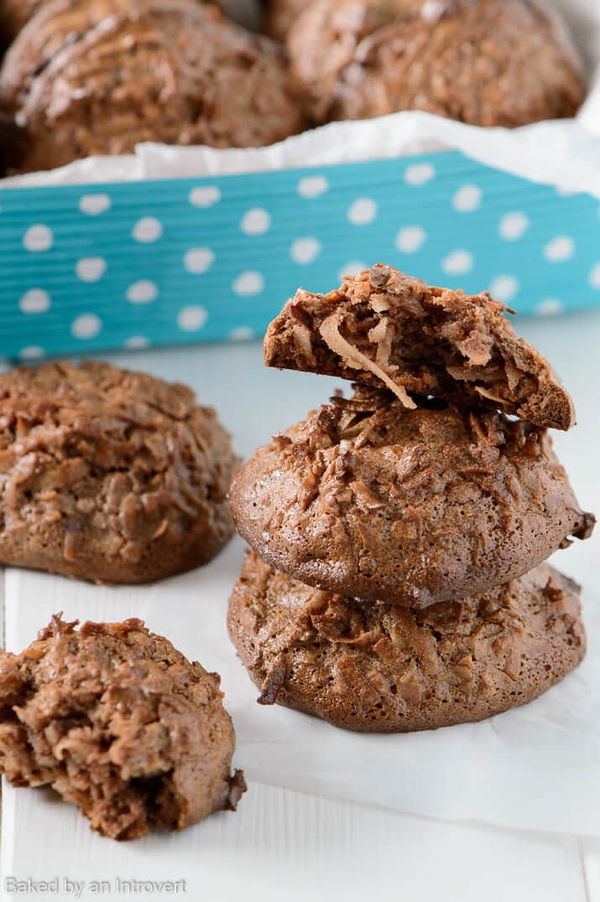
(284, 845)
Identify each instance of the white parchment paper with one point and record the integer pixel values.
(536, 767)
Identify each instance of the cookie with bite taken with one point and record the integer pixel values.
(119, 723)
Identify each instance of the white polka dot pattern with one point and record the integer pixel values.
(198, 259)
(94, 204)
(191, 319)
(143, 264)
(248, 283)
(305, 250)
(410, 239)
(457, 263)
(559, 249)
(467, 199)
(142, 292)
(419, 174)
(313, 186)
(353, 268)
(363, 211)
(136, 343)
(86, 326)
(205, 196)
(549, 307)
(513, 226)
(36, 300)
(256, 222)
(38, 238)
(595, 276)
(505, 288)
(241, 333)
(147, 230)
(31, 352)
(90, 269)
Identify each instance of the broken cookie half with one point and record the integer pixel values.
(383, 327)
(120, 723)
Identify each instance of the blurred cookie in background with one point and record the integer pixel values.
(279, 16)
(484, 62)
(15, 14)
(101, 76)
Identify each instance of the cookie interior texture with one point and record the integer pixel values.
(484, 62)
(385, 668)
(88, 77)
(385, 328)
(369, 499)
(120, 723)
(108, 475)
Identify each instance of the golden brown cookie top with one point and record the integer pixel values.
(15, 14)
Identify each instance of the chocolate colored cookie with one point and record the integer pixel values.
(384, 668)
(280, 15)
(368, 499)
(120, 723)
(15, 14)
(108, 475)
(93, 77)
(385, 328)
(485, 62)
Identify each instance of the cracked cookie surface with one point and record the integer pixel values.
(385, 668)
(121, 724)
(108, 475)
(385, 328)
(369, 499)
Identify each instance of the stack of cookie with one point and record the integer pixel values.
(397, 579)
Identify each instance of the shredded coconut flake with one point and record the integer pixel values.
(382, 335)
(485, 393)
(330, 333)
(303, 340)
(380, 303)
